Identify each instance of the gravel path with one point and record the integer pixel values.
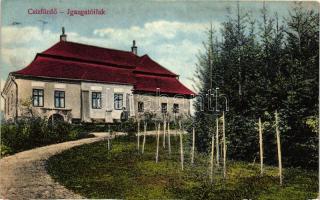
(23, 175)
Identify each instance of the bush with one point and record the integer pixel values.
(5, 150)
(29, 133)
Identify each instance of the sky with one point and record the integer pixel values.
(169, 31)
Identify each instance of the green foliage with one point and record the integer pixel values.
(122, 173)
(274, 67)
(5, 150)
(313, 123)
(34, 132)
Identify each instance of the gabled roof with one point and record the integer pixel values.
(77, 61)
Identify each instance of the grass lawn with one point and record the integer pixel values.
(94, 172)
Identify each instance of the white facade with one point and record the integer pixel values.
(79, 103)
(108, 112)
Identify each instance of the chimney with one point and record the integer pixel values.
(134, 48)
(63, 37)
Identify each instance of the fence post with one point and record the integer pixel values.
(261, 146)
(278, 146)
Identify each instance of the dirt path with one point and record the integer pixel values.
(23, 175)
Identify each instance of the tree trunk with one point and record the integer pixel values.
(164, 134)
(109, 138)
(261, 147)
(193, 143)
(181, 146)
(144, 135)
(169, 142)
(212, 158)
(138, 136)
(279, 147)
(158, 137)
(217, 140)
(224, 146)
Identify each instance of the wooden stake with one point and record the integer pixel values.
(181, 146)
(144, 136)
(193, 142)
(212, 158)
(109, 138)
(158, 137)
(279, 147)
(169, 142)
(164, 134)
(224, 146)
(261, 146)
(221, 147)
(138, 136)
(217, 140)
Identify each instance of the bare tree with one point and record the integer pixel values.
(181, 145)
(158, 137)
(144, 135)
(278, 146)
(261, 146)
(217, 140)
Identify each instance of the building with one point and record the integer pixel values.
(83, 83)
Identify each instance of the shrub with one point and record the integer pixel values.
(5, 150)
(29, 133)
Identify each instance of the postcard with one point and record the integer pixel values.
(159, 99)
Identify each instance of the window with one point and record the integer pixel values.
(37, 97)
(163, 107)
(118, 101)
(175, 108)
(140, 106)
(96, 100)
(59, 99)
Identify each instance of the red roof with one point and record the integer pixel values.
(56, 68)
(166, 85)
(147, 65)
(92, 53)
(71, 60)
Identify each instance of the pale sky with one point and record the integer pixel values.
(169, 31)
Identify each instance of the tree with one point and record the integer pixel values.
(208, 76)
